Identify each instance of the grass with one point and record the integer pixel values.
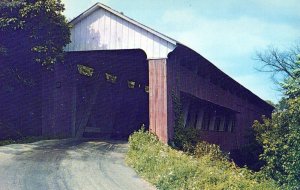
(169, 169)
(21, 141)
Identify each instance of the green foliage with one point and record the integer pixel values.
(23, 140)
(280, 137)
(213, 151)
(270, 102)
(248, 154)
(170, 169)
(7, 142)
(34, 30)
(291, 85)
(185, 138)
(281, 142)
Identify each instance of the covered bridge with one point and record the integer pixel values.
(119, 75)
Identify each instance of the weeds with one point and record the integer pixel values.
(21, 141)
(170, 169)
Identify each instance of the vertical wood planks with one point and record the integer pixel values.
(158, 112)
(103, 30)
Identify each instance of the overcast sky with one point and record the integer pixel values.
(226, 32)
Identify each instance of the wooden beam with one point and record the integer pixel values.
(158, 99)
(200, 118)
(185, 110)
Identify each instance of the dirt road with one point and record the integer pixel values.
(67, 164)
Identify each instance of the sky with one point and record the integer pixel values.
(228, 33)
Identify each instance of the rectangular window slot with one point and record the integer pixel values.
(131, 84)
(84, 70)
(206, 116)
(110, 78)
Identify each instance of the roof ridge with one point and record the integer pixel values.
(123, 16)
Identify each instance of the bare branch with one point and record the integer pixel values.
(280, 63)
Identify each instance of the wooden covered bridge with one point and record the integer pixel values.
(119, 75)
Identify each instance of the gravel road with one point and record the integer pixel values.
(68, 164)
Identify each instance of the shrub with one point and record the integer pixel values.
(280, 138)
(212, 150)
(186, 138)
(248, 154)
(170, 169)
(281, 142)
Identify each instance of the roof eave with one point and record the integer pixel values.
(230, 78)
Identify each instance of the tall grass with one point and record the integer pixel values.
(170, 169)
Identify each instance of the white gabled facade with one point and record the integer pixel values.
(101, 28)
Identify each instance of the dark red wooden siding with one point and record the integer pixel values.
(190, 73)
(158, 98)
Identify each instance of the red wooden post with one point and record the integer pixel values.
(158, 98)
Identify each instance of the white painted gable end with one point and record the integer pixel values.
(104, 30)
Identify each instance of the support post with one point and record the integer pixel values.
(158, 98)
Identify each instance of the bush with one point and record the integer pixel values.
(186, 138)
(279, 135)
(169, 169)
(211, 150)
(280, 139)
(248, 154)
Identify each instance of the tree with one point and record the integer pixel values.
(280, 136)
(281, 64)
(33, 34)
(33, 31)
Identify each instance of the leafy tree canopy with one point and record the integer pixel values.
(280, 136)
(33, 30)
